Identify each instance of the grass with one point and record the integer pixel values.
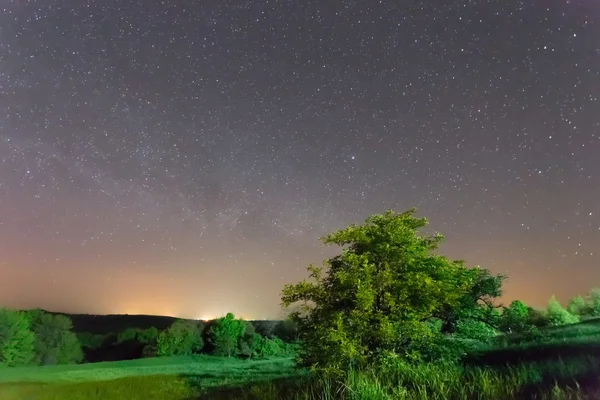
(170, 378)
(563, 363)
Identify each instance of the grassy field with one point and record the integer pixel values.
(563, 363)
(156, 378)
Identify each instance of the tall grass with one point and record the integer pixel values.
(548, 380)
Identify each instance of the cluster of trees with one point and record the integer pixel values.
(225, 337)
(389, 296)
(35, 337)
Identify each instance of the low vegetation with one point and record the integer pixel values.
(387, 318)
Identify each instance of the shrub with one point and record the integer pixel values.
(17, 340)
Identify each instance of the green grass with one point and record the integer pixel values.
(164, 378)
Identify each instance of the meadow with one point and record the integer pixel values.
(561, 363)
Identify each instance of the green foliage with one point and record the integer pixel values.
(377, 296)
(592, 308)
(577, 306)
(225, 333)
(17, 340)
(127, 334)
(287, 330)
(89, 340)
(515, 318)
(149, 336)
(557, 315)
(265, 328)
(181, 338)
(55, 343)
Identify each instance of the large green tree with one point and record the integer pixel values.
(378, 297)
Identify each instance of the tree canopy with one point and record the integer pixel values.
(378, 297)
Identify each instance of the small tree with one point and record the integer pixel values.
(515, 318)
(148, 336)
(55, 343)
(16, 338)
(377, 296)
(557, 315)
(577, 306)
(181, 338)
(592, 307)
(224, 335)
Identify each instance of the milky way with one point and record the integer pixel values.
(184, 157)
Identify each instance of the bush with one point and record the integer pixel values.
(17, 340)
(55, 343)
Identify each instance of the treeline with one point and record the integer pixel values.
(519, 318)
(36, 337)
(226, 336)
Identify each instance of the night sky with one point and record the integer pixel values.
(183, 157)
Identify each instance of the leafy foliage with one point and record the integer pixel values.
(181, 338)
(225, 333)
(515, 318)
(266, 328)
(149, 336)
(55, 343)
(377, 296)
(577, 306)
(557, 315)
(89, 340)
(17, 340)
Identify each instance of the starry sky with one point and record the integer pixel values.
(183, 157)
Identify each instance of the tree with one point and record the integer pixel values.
(148, 336)
(55, 343)
(515, 318)
(16, 338)
(266, 328)
(377, 297)
(225, 333)
(577, 306)
(557, 315)
(592, 308)
(181, 338)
